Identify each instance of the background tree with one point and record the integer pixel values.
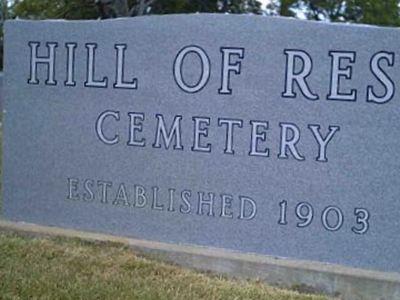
(55, 9)
(90, 9)
(3, 17)
(143, 7)
(379, 12)
(383, 12)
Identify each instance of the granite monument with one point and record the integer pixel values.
(255, 134)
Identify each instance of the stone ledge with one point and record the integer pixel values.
(334, 280)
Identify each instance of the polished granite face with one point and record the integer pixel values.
(256, 134)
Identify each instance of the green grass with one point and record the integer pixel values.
(60, 268)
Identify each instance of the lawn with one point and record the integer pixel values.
(62, 268)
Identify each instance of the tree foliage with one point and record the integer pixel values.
(378, 12)
(55, 9)
(89, 9)
(383, 12)
(3, 16)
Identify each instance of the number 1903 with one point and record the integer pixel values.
(332, 218)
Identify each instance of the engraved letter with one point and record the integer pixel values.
(72, 188)
(252, 208)
(198, 132)
(299, 77)
(209, 202)
(185, 195)
(47, 60)
(104, 190)
(122, 196)
(90, 81)
(174, 133)
(99, 127)
(226, 203)
(289, 143)
(135, 127)
(119, 82)
(382, 77)
(256, 136)
(323, 142)
(230, 123)
(70, 64)
(205, 69)
(227, 67)
(140, 193)
(337, 72)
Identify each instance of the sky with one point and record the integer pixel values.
(264, 3)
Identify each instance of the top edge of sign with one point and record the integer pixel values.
(214, 16)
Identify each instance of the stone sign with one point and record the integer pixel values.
(261, 135)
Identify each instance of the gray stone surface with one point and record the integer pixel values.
(85, 157)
